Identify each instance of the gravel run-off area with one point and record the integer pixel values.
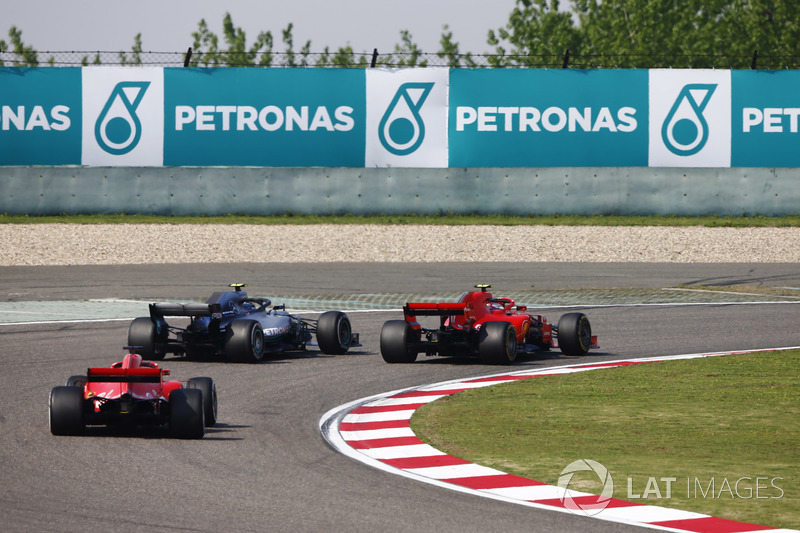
(109, 244)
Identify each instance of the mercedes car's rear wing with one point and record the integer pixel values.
(160, 310)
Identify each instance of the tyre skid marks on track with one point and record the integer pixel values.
(376, 431)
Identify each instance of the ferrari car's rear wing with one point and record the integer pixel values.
(443, 310)
(125, 375)
(434, 309)
(160, 310)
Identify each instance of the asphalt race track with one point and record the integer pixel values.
(264, 466)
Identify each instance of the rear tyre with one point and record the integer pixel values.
(396, 339)
(76, 381)
(209, 390)
(143, 332)
(66, 411)
(497, 343)
(574, 334)
(186, 419)
(246, 342)
(334, 333)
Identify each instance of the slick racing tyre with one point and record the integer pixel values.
(66, 411)
(209, 390)
(396, 339)
(186, 420)
(144, 333)
(574, 334)
(76, 381)
(246, 342)
(497, 343)
(334, 333)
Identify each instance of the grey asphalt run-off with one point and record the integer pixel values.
(118, 309)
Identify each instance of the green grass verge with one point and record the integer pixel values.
(715, 420)
(443, 219)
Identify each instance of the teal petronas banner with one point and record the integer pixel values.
(385, 118)
(264, 117)
(40, 116)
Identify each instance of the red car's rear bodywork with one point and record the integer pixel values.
(133, 393)
(478, 307)
(132, 387)
(495, 329)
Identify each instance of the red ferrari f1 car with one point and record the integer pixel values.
(478, 324)
(133, 393)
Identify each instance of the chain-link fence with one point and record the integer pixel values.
(348, 59)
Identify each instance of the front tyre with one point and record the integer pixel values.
(334, 333)
(574, 334)
(246, 342)
(66, 411)
(396, 339)
(497, 343)
(209, 390)
(186, 420)
(144, 333)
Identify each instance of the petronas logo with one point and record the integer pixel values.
(401, 129)
(685, 130)
(118, 128)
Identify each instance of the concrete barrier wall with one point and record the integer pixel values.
(211, 191)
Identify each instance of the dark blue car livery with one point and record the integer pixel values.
(234, 327)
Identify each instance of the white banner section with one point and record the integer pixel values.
(407, 117)
(690, 118)
(123, 116)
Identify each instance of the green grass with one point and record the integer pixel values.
(442, 219)
(717, 419)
